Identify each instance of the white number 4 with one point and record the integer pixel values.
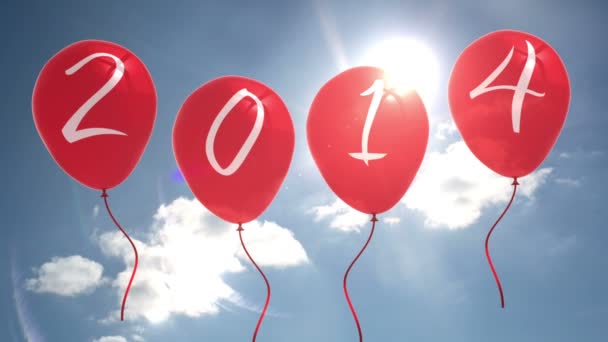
(70, 131)
(520, 90)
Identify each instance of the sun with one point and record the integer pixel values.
(409, 65)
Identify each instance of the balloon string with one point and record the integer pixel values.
(350, 304)
(502, 298)
(257, 327)
(124, 298)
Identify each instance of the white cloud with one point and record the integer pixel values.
(445, 129)
(581, 153)
(568, 182)
(111, 339)
(559, 246)
(67, 276)
(450, 190)
(597, 153)
(391, 220)
(137, 338)
(343, 217)
(274, 245)
(186, 255)
(95, 211)
(453, 187)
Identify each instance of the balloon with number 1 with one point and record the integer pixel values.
(368, 142)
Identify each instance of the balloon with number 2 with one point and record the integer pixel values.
(94, 106)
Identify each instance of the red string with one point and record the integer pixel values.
(502, 298)
(350, 304)
(257, 327)
(124, 298)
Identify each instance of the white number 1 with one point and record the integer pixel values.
(70, 130)
(377, 89)
(520, 90)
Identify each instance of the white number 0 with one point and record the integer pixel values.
(377, 89)
(70, 131)
(247, 145)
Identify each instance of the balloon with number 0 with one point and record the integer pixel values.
(367, 141)
(94, 106)
(509, 95)
(233, 141)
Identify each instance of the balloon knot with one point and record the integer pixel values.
(374, 219)
(515, 181)
(104, 194)
(240, 228)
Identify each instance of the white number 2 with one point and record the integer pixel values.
(520, 90)
(377, 89)
(247, 145)
(70, 130)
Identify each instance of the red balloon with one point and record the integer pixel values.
(94, 106)
(233, 140)
(368, 142)
(509, 95)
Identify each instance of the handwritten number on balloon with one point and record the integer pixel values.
(519, 91)
(377, 89)
(247, 145)
(70, 130)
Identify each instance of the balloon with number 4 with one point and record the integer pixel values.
(509, 94)
(94, 106)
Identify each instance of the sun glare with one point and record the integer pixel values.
(409, 65)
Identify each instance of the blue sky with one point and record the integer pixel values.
(423, 278)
